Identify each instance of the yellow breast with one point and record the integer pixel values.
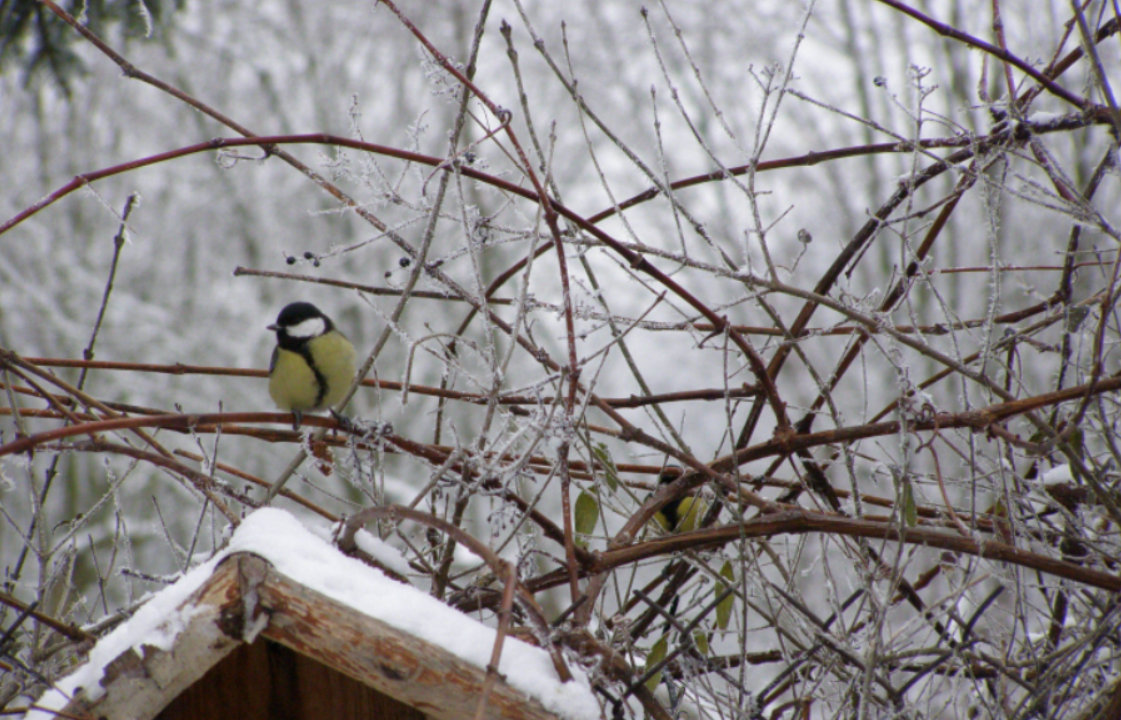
(293, 385)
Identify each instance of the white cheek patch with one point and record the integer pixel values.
(312, 327)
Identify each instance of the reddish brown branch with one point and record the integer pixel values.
(65, 629)
(798, 521)
(632, 401)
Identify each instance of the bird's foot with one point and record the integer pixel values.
(357, 427)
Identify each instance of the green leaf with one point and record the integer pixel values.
(910, 510)
(724, 607)
(587, 513)
(655, 656)
(700, 639)
(610, 473)
(1078, 442)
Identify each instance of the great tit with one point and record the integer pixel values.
(312, 365)
(682, 514)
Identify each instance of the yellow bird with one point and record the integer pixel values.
(682, 514)
(313, 363)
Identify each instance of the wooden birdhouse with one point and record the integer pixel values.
(285, 627)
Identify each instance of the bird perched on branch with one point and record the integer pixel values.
(682, 514)
(313, 363)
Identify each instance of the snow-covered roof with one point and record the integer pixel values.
(307, 559)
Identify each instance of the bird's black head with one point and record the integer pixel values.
(670, 473)
(299, 322)
(671, 510)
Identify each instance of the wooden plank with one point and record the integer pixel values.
(139, 685)
(267, 681)
(400, 665)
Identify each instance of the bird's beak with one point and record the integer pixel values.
(274, 327)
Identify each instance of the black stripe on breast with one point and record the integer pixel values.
(320, 378)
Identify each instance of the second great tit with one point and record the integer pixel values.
(313, 363)
(683, 514)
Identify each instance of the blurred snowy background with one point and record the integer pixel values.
(622, 97)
